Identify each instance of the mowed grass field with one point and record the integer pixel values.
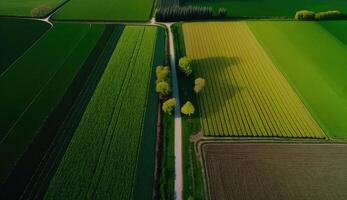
(245, 94)
(276, 171)
(101, 161)
(13, 42)
(23, 7)
(119, 10)
(35, 84)
(312, 56)
(269, 8)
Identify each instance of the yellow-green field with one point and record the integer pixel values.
(245, 94)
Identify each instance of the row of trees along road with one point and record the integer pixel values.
(163, 87)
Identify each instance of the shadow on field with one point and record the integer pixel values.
(221, 85)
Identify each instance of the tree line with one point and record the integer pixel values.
(181, 13)
(310, 15)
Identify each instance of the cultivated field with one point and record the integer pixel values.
(120, 10)
(13, 42)
(35, 84)
(276, 171)
(24, 7)
(337, 28)
(269, 8)
(102, 159)
(315, 69)
(245, 94)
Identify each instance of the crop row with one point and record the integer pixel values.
(245, 94)
(100, 162)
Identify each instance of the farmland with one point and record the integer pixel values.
(24, 7)
(318, 71)
(30, 92)
(276, 171)
(336, 28)
(120, 10)
(13, 42)
(95, 163)
(173, 99)
(246, 95)
(269, 8)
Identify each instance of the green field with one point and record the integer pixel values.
(269, 8)
(35, 84)
(102, 159)
(13, 42)
(336, 28)
(24, 7)
(119, 10)
(314, 62)
(245, 94)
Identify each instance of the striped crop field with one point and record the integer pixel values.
(245, 94)
(317, 74)
(102, 159)
(34, 85)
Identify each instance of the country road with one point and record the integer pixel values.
(178, 120)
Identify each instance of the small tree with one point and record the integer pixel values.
(304, 15)
(188, 108)
(162, 73)
(162, 88)
(222, 12)
(199, 85)
(185, 65)
(40, 11)
(168, 105)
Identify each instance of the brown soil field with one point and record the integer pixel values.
(276, 171)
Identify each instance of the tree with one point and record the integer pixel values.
(162, 88)
(180, 13)
(168, 105)
(185, 65)
(304, 15)
(222, 12)
(199, 85)
(332, 14)
(40, 11)
(162, 73)
(188, 108)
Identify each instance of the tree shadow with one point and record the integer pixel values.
(219, 89)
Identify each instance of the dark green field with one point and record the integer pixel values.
(119, 10)
(13, 42)
(35, 84)
(269, 8)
